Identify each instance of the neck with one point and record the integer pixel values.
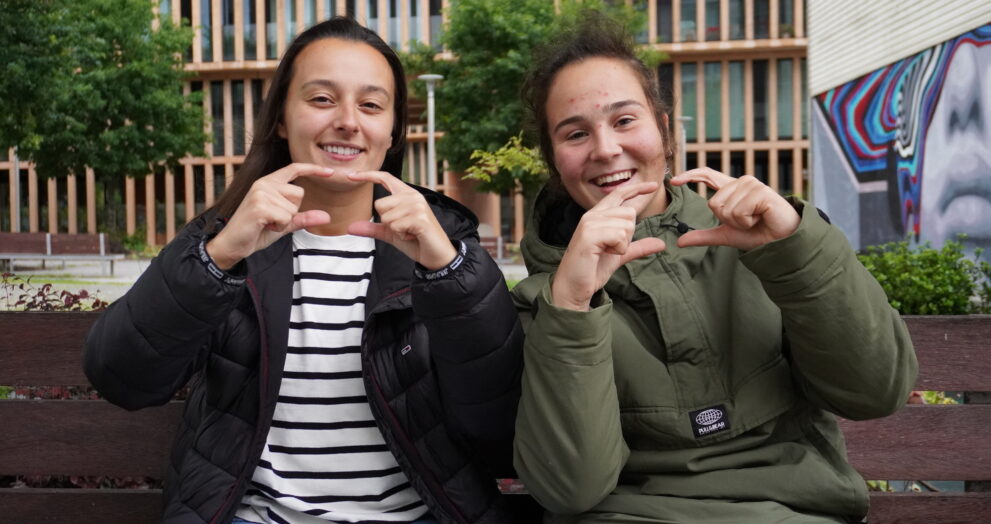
(344, 207)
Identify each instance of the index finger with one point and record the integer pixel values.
(293, 171)
(387, 180)
(624, 193)
(706, 175)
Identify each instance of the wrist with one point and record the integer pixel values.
(424, 272)
(565, 300)
(221, 258)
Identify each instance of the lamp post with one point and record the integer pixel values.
(431, 79)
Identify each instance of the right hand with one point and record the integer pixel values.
(269, 210)
(602, 243)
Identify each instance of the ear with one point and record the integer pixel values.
(281, 129)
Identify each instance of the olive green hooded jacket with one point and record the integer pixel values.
(703, 383)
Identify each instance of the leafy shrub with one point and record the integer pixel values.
(28, 297)
(926, 281)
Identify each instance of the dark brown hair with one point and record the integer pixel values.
(593, 35)
(270, 152)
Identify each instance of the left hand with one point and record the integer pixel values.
(751, 213)
(406, 222)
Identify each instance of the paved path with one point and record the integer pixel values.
(91, 278)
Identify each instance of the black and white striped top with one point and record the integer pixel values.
(325, 459)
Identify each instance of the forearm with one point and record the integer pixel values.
(569, 448)
(850, 348)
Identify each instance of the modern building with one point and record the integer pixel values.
(901, 119)
(736, 70)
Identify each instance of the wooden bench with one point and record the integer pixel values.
(92, 437)
(60, 247)
(495, 246)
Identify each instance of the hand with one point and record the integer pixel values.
(269, 210)
(600, 245)
(406, 222)
(751, 213)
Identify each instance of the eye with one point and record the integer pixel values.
(624, 121)
(575, 135)
(374, 106)
(321, 99)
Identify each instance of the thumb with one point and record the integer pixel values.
(717, 236)
(642, 248)
(313, 217)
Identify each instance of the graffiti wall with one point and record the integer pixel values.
(905, 151)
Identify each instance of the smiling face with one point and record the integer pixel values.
(339, 107)
(604, 134)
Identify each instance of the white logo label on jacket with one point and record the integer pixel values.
(709, 420)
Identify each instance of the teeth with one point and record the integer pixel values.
(615, 177)
(341, 150)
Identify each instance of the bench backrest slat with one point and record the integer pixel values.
(34, 243)
(81, 506)
(43, 349)
(76, 244)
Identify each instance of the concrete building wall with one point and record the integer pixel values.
(850, 38)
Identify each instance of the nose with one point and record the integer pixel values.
(604, 144)
(346, 119)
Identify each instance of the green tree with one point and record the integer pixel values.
(90, 83)
(478, 105)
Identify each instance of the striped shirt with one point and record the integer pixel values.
(325, 459)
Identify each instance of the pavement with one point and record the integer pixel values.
(90, 275)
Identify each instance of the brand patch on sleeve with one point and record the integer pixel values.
(707, 421)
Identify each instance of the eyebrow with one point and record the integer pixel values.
(330, 84)
(607, 109)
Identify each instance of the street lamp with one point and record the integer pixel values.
(431, 79)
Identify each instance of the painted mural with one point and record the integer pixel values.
(905, 151)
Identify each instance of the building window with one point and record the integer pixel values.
(713, 101)
(762, 13)
(393, 24)
(186, 14)
(372, 10)
(206, 35)
(786, 19)
(257, 97)
(290, 20)
(165, 8)
(665, 78)
(786, 169)
(760, 99)
(760, 165)
(309, 13)
(329, 9)
(805, 98)
(664, 22)
(737, 26)
(785, 116)
(436, 24)
(640, 7)
(271, 30)
(689, 88)
(227, 29)
(712, 27)
(217, 116)
(688, 28)
(737, 164)
(237, 115)
(250, 31)
(737, 124)
(414, 21)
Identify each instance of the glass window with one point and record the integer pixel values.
(199, 188)
(786, 170)
(165, 8)
(737, 164)
(329, 8)
(737, 125)
(664, 22)
(760, 99)
(712, 29)
(762, 13)
(713, 101)
(250, 33)
(760, 166)
(227, 30)
(237, 115)
(257, 97)
(350, 9)
(665, 78)
(786, 19)
(186, 14)
(217, 116)
(393, 24)
(414, 20)
(688, 27)
(785, 116)
(689, 89)
(206, 35)
(309, 12)
(372, 14)
(290, 20)
(691, 161)
(737, 26)
(436, 27)
(640, 7)
(805, 98)
(271, 30)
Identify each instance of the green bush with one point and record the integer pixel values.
(922, 280)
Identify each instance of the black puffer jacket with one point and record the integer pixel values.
(445, 403)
